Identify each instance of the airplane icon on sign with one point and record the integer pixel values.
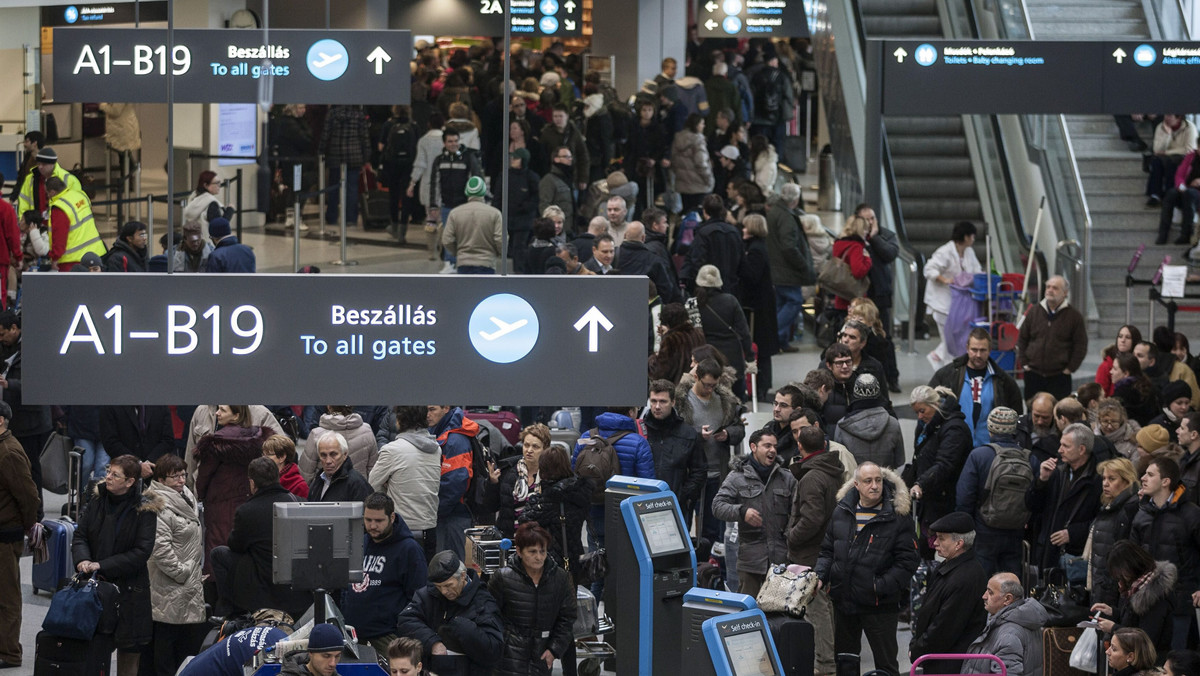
(504, 328)
(326, 59)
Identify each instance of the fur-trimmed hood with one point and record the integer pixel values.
(894, 491)
(148, 500)
(1157, 588)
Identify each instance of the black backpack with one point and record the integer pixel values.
(401, 146)
(768, 94)
(597, 460)
(481, 455)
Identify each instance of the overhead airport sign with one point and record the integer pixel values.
(379, 339)
(939, 77)
(530, 18)
(752, 18)
(106, 13)
(226, 66)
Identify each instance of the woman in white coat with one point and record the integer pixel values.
(204, 205)
(949, 261)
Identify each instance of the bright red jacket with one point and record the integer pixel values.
(853, 250)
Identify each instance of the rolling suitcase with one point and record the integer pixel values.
(505, 421)
(56, 656)
(373, 202)
(75, 483)
(48, 574)
(796, 643)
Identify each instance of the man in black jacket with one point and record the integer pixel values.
(522, 207)
(1066, 495)
(450, 172)
(980, 383)
(885, 247)
(1036, 429)
(144, 432)
(676, 446)
(337, 480)
(633, 258)
(951, 615)
(717, 243)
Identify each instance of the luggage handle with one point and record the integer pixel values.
(959, 656)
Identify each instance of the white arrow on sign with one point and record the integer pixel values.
(379, 57)
(593, 319)
(568, 24)
(710, 24)
(899, 54)
(569, 6)
(1120, 55)
(711, 6)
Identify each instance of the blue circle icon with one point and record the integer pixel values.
(732, 7)
(731, 25)
(503, 328)
(71, 14)
(548, 24)
(549, 7)
(926, 54)
(1145, 56)
(327, 60)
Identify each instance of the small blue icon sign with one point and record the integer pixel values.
(503, 328)
(731, 25)
(549, 7)
(732, 7)
(1145, 56)
(548, 24)
(327, 60)
(926, 54)
(71, 14)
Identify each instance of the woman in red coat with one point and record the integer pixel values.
(852, 248)
(221, 482)
(282, 450)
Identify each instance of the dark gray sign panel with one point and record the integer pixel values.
(752, 18)
(225, 66)
(315, 339)
(1140, 77)
(530, 18)
(103, 13)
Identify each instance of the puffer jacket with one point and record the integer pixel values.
(870, 571)
(872, 435)
(818, 478)
(360, 439)
(633, 451)
(678, 454)
(121, 127)
(536, 617)
(758, 546)
(692, 164)
(470, 624)
(409, 470)
(121, 541)
(1015, 636)
(766, 170)
(1111, 524)
(176, 585)
(1172, 533)
(562, 509)
(1151, 608)
(221, 482)
(942, 450)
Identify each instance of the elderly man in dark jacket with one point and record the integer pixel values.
(676, 446)
(980, 383)
(633, 258)
(790, 256)
(455, 612)
(1013, 631)
(336, 479)
(951, 615)
(868, 570)
(1066, 495)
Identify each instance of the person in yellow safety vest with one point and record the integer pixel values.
(33, 195)
(72, 229)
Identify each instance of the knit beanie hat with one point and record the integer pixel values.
(1002, 421)
(1153, 437)
(47, 155)
(476, 187)
(325, 638)
(866, 386)
(1176, 389)
(218, 227)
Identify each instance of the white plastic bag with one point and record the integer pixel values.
(1083, 656)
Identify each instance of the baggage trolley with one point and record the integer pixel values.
(486, 549)
(958, 656)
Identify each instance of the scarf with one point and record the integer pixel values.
(523, 487)
(1139, 583)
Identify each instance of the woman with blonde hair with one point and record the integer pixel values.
(879, 345)
(941, 451)
(851, 247)
(1118, 505)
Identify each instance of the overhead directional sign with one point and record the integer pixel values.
(315, 339)
(752, 18)
(938, 77)
(530, 18)
(225, 66)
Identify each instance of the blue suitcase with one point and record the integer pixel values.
(59, 566)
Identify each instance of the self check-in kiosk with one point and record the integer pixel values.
(651, 565)
(741, 645)
(700, 605)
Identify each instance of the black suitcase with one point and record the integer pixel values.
(374, 207)
(795, 642)
(57, 656)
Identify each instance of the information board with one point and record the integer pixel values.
(225, 66)
(529, 18)
(752, 18)
(313, 339)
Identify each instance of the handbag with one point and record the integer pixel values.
(56, 472)
(593, 566)
(1074, 567)
(787, 589)
(1057, 645)
(837, 279)
(1066, 604)
(1083, 655)
(75, 610)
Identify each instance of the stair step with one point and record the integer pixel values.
(894, 7)
(1117, 185)
(1093, 168)
(902, 26)
(946, 125)
(1098, 14)
(1066, 29)
(928, 145)
(936, 186)
(928, 165)
(939, 209)
(1097, 143)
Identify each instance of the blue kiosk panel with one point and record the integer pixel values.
(741, 645)
(700, 605)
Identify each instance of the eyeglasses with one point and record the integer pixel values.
(112, 475)
(843, 362)
(781, 404)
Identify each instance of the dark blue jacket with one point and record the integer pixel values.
(454, 434)
(633, 451)
(230, 256)
(393, 570)
(227, 657)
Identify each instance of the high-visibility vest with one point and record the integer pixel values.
(28, 198)
(82, 236)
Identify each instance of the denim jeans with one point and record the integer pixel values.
(94, 460)
(998, 553)
(446, 255)
(596, 541)
(790, 300)
(333, 199)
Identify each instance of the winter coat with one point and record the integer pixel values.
(759, 546)
(633, 258)
(870, 571)
(885, 248)
(633, 451)
(122, 433)
(725, 328)
(291, 479)
(121, 128)
(941, 452)
(598, 129)
(409, 470)
(204, 423)
(1015, 636)
(872, 435)
(536, 617)
(758, 296)
(552, 138)
(449, 174)
(345, 138)
(473, 232)
(787, 245)
(854, 251)
(731, 415)
(766, 170)
(678, 455)
(1048, 346)
(1169, 141)
(251, 540)
(951, 615)
(428, 147)
(453, 433)
(470, 624)
(118, 533)
(1153, 606)
(1172, 533)
(555, 189)
(674, 356)
(1189, 466)
(124, 257)
(221, 482)
(971, 487)
(1112, 524)
(1140, 407)
(562, 504)
(498, 497)
(720, 244)
(692, 164)
(360, 439)
(945, 262)
(346, 485)
(230, 256)
(18, 494)
(393, 571)
(1005, 391)
(1059, 504)
(818, 478)
(201, 208)
(28, 419)
(176, 587)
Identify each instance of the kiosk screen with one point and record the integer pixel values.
(749, 654)
(662, 532)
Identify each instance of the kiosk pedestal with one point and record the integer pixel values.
(741, 645)
(699, 605)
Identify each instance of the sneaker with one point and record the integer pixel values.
(447, 268)
(789, 348)
(1153, 201)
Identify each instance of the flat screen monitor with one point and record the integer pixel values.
(317, 545)
(749, 654)
(663, 535)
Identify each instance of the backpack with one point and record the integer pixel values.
(481, 455)
(597, 460)
(768, 94)
(401, 146)
(1003, 503)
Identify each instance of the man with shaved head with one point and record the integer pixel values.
(1013, 631)
(1037, 431)
(633, 258)
(585, 242)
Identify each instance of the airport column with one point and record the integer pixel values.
(661, 32)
